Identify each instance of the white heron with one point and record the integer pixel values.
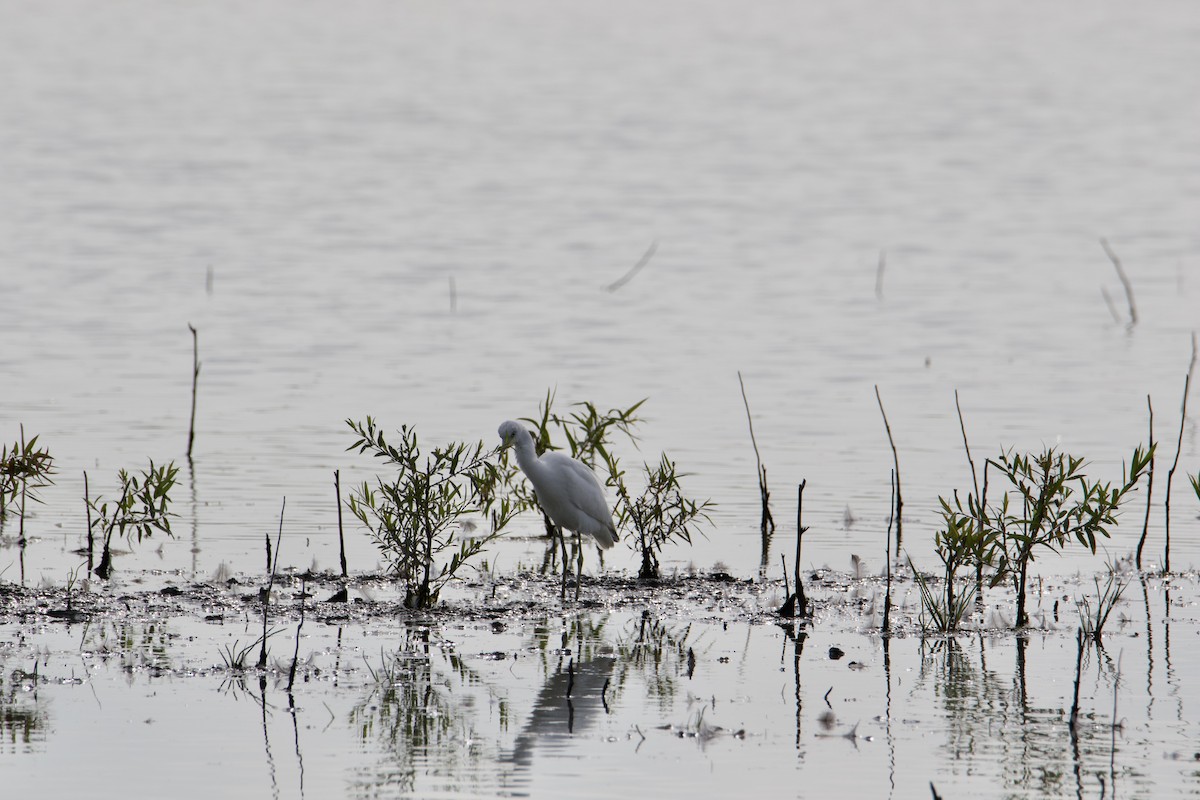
(567, 491)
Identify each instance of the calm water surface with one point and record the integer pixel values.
(412, 210)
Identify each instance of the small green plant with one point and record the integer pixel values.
(141, 509)
(24, 469)
(944, 610)
(964, 540)
(415, 518)
(1195, 479)
(1055, 503)
(1091, 620)
(660, 514)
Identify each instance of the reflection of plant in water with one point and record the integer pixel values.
(989, 717)
(413, 711)
(22, 719)
(660, 654)
(138, 644)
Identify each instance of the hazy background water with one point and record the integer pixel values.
(335, 166)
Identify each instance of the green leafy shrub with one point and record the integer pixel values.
(416, 517)
(141, 509)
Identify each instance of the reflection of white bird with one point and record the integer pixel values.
(566, 488)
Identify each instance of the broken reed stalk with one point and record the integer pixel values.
(796, 604)
(337, 485)
(801, 600)
(271, 564)
(296, 652)
(887, 547)
(1133, 316)
(1149, 489)
(88, 507)
(1080, 639)
(1187, 381)
(768, 522)
(896, 463)
(195, 380)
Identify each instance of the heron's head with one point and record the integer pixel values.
(509, 431)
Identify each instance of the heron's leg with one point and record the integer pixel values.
(578, 564)
(562, 541)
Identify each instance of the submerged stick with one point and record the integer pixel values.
(195, 380)
(1187, 381)
(896, 464)
(1133, 316)
(628, 276)
(768, 522)
(1149, 489)
(879, 274)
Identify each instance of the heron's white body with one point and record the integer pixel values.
(567, 490)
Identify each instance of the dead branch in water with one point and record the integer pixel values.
(796, 604)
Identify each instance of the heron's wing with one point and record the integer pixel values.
(585, 495)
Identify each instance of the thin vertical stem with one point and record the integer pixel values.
(896, 463)
(195, 380)
(1149, 489)
(337, 485)
(1187, 381)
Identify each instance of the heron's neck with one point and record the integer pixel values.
(527, 458)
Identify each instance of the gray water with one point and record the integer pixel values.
(412, 210)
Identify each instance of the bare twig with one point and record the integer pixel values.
(628, 276)
(337, 486)
(1133, 316)
(801, 600)
(87, 505)
(768, 522)
(887, 546)
(896, 463)
(796, 604)
(271, 565)
(1187, 381)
